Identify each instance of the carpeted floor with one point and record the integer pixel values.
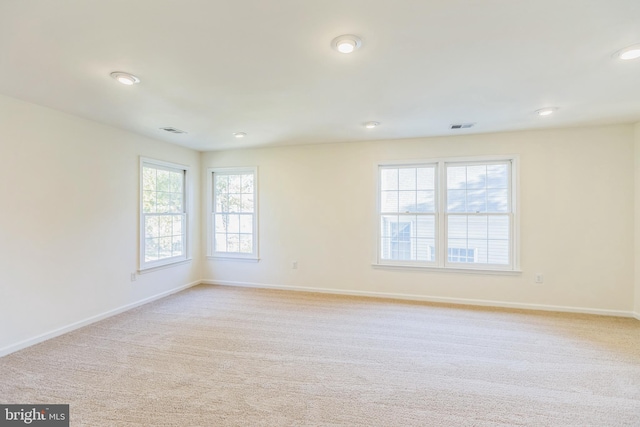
(218, 356)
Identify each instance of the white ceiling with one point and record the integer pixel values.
(266, 67)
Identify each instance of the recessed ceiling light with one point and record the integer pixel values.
(346, 43)
(125, 78)
(239, 134)
(546, 111)
(371, 125)
(631, 52)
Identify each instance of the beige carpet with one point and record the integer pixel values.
(218, 356)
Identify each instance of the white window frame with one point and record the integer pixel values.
(231, 256)
(441, 259)
(165, 262)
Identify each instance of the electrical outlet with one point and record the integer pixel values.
(294, 265)
(539, 278)
(134, 277)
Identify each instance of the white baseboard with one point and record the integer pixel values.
(76, 325)
(447, 300)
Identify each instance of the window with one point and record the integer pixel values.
(233, 221)
(448, 214)
(163, 219)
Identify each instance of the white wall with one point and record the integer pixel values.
(637, 220)
(69, 220)
(317, 207)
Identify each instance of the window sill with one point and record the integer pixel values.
(447, 269)
(163, 266)
(231, 258)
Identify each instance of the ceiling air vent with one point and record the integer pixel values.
(173, 130)
(462, 125)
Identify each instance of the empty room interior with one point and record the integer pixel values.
(353, 213)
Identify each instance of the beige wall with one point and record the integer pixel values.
(69, 215)
(637, 219)
(317, 207)
(69, 220)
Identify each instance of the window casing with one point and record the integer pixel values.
(448, 213)
(163, 213)
(233, 213)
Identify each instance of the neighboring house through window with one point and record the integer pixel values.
(448, 214)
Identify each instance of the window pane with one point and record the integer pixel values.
(233, 243)
(498, 252)
(425, 250)
(165, 223)
(151, 249)
(425, 201)
(163, 202)
(498, 227)
(456, 177)
(407, 179)
(476, 201)
(387, 223)
(177, 225)
(388, 179)
(426, 178)
(246, 224)
(176, 246)
(246, 243)
(385, 248)
(457, 227)
(456, 200)
(498, 200)
(487, 188)
(497, 176)
(407, 201)
(148, 201)
(246, 203)
(151, 227)
(233, 225)
(477, 227)
(220, 242)
(426, 227)
(221, 183)
(478, 252)
(476, 176)
(220, 222)
(164, 244)
(389, 201)
(148, 179)
(235, 183)
(235, 202)
(457, 250)
(247, 183)
(485, 239)
(163, 182)
(222, 202)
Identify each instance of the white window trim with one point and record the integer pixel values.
(441, 263)
(211, 254)
(145, 267)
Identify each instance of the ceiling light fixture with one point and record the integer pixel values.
(125, 78)
(371, 125)
(346, 43)
(631, 52)
(239, 134)
(546, 111)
